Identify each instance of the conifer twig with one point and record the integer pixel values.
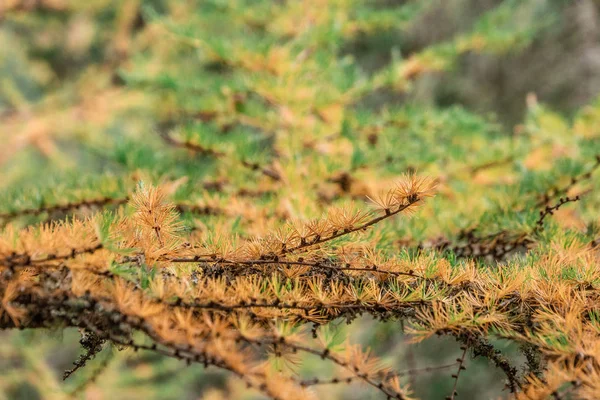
(93, 377)
(93, 345)
(347, 231)
(68, 207)
(555, 191)
(461, 367)
(549, 210)
(197, 148)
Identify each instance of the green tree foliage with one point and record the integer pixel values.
(228, 183)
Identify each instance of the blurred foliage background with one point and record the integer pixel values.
(373, 88)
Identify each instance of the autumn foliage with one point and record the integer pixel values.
(226, 197)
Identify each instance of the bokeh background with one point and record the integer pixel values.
(74, 70)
